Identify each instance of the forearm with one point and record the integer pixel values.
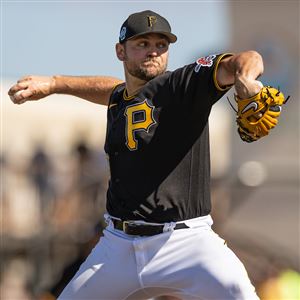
(96, 89)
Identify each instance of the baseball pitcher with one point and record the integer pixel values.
(158, 240)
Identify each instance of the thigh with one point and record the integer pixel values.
(228, 275)
(198, 264)
(109, 272)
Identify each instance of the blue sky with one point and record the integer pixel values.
(78, 37)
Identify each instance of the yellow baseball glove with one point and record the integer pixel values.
(257, 115)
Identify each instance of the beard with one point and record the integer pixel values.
(145, 72)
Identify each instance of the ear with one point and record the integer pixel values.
(120, 51)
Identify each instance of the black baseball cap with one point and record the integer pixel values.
(145, 22)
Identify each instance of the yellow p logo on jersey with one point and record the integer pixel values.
(132, 124)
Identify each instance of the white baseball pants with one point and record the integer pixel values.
(192, 263)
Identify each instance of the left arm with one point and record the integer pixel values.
(241, 70)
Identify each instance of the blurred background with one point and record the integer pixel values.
(53, 169)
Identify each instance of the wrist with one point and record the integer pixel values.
(56, 85)
(246, 87)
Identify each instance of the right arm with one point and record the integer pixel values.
(96, 89)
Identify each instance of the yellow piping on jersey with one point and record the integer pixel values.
(112, 105)
(215, 73)
(125, 97)
(112, 91)
(115, 86)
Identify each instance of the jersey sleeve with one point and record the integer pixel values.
(118, 88)
(196, 84)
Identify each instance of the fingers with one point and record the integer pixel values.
(23, 90)
(17, 87)
(20, 96)
(24, 78)
(20, 92)
(30, 88)
(21, 84)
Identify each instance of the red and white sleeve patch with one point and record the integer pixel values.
(206, 61)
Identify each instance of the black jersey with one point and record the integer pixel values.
(158, 145)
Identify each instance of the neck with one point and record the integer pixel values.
(133, 84)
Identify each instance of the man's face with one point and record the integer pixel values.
(146, 57)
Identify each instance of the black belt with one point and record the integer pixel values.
(132, 228)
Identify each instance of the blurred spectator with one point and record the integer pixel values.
(14, 283)
(3, 193)
(40, 172)
(70, 269)
(3, 165)
(90, 177)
